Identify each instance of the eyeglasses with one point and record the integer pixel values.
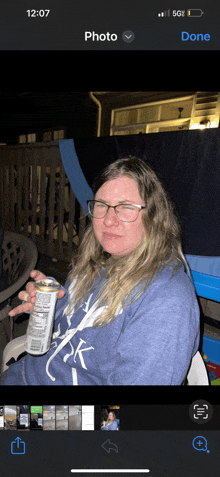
(125, 212)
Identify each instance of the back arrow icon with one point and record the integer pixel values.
(109, 445)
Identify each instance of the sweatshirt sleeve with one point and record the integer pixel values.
(159, 340)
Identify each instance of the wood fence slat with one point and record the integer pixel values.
(36, 203)
(33, 201)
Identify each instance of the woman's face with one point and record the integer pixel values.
(110, 416)
(127, 235)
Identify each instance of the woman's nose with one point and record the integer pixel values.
(111, 217)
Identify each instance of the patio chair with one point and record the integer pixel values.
(197, 374)
(19, 257)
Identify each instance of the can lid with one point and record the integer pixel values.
(47, 284)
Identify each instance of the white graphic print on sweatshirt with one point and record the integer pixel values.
(87, 321)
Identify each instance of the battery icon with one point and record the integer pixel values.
(194, 13)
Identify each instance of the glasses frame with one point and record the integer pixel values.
(140, 207)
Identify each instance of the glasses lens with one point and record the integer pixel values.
(126, 213)
(98, 209)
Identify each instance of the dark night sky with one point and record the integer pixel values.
(22, 113)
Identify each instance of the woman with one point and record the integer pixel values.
(111, 423)
(130, 314)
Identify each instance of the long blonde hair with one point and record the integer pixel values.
(128, 276)
(114, 416)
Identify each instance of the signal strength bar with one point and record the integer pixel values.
(164, 14)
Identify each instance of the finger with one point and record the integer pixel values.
(30, 287)
(61, 294)
(37, 275)
(21, 309)
(27, 295)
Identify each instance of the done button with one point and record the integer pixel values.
(195, 37)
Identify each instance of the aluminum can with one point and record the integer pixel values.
(40, 326)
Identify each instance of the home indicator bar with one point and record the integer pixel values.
(110, 471)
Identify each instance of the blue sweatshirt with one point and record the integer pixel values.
(151, 342)
(110, 427)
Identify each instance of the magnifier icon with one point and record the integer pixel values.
(200, 443)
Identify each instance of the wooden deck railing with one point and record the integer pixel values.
(36, 199)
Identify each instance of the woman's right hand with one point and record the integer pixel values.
(29, 296)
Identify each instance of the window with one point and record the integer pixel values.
(42, 136)
(58, 134)
(27, 138)
(53, 135)
(31, 137)
(47, 136)
(22, 139)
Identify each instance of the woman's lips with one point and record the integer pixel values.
(107, 235)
